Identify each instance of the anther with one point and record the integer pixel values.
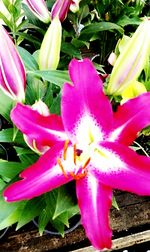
(86, 163)
(61, 166)
(65, 149)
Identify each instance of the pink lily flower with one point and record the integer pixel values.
(39, 9)
(12, 71)
(89, 143)
(60, 9)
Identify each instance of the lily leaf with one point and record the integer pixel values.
(63, 202)
(96, 27)
(57, 77)
(29, 61)
(30, 210)
(6, 104)
(10, 169)
(9, 213)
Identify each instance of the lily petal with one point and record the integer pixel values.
(120, 167)
(46, 130)
(39, 178)
(131, 118)
(86, 111)
(94, 201)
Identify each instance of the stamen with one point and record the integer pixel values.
(78, 176)
(61, 166)
(75, 153)
(72, 175)
(86, 163)
(65, 149)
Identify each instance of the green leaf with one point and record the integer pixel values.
(55, 107)
(93, 28)
(43, 220)
(59, 227)
(35, 89)
(2, 184)
(26, 156)
(10, 169)
(6, 104)
(30, 210)
(63, 218)
(29, 61)
(71, 50)
(63, 202)
(9, 212)
(125, 20)
(6, 136)
(72, 211)
(29, 38)
(57, 77)
(6, 21)
(114, 203)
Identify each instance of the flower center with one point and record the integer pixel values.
(78, 159)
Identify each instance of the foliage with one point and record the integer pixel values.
(93, 32)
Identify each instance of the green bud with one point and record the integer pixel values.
(49, 54)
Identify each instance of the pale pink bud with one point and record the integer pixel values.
(39, 9)
(60, 9)
(42, 108)
(12, 71)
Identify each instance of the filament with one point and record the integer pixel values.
(86, 163)
(65, 149)
(61, 166)
(75, 154)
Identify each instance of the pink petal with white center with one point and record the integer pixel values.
(120, 167)
(94, 201)
(46, 130)
(131, 118)
(12, 70)
(41, 177)
(86, 111)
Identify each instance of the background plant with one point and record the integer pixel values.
(93, 31)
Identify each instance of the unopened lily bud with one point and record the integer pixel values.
(74, 7)
(131, 60)
(39, 9)
(60, 9)
(112, 58)
(12, 71)
(42, 108)
(49, 54)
